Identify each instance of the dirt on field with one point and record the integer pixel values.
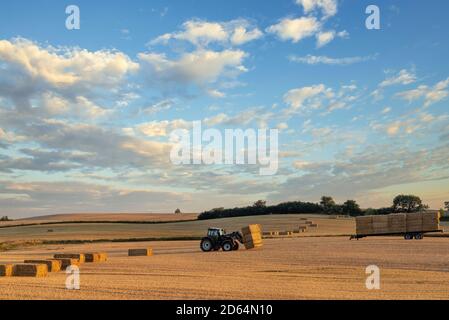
(298, 268)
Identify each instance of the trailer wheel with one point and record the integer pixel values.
(419, 236)
(408, 236)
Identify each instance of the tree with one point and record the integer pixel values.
(4, 218)
(351, 208)
(178, 211)
(446, 205)
(328, 204)
(260, 204)
(408, 203)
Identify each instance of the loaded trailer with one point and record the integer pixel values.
(408, 225)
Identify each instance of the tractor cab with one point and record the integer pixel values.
(215, 233)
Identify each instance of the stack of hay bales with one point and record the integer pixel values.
(252, 236)
(414, 222)
(397, 223)
(140, 252)
(364, 225)
(5, 270)
(431, 221)
(30, 270)
(380, 224)
(52, 265)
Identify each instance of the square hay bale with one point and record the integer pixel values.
(431, 221)
(140, 252)
(30, 270)
(313, 225)
(92, 257)
(252, 228)
(5, 270)
(67, 262)
(414, 222)
(303, 219)
(103, 256)
(52, 265)
(309, 222)
(79, 256)
(380, 224)
(364, 225)
(252, 245)
(397, 223)
(252, 236)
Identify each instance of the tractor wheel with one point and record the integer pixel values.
(236, 246)
(227, 246)
(206, 245)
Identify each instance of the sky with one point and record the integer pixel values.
(86, 115)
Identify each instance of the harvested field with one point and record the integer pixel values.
(292, 268)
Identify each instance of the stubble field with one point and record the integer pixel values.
(302, 268)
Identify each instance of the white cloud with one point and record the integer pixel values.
(216, 93)
(431, 95)
(241, 35)
(202, 33)
(162, 128)
(295, 98)
(404, 77)
(200, 67)
(386, 110)
(327, 7)
(295, 29)
(313, 60)
(61, 67)
(324, 38)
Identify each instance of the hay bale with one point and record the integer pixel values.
(380, 224)
(5, 270)
(313, 225)
(303, 219)
(52, 265)
(364, 225)
(252, 228)
(252, 236)
(92, 257)
(30, 270)
(414, 222)
(103, 256)
(79, 256)
(309, 222)
(140, 252)
(397, 223)
(431, 221)
(67, 262)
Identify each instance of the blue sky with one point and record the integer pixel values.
(85, 115)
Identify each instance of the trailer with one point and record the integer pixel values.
(407, 235)
(408, 225)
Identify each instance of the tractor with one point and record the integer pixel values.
(218, 238)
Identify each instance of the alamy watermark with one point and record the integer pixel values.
(373, 280)
(73, 21)
(72, 281)
(237, 147)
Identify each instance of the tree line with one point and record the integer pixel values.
(327, 205)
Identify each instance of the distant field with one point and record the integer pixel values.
(298, 268)
(92, 231)
(110, 217)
